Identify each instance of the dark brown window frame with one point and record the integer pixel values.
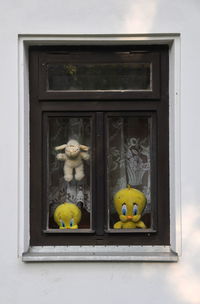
(42, 102)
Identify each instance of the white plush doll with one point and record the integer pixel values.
(73, 157)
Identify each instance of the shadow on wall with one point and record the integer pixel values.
(182, 278)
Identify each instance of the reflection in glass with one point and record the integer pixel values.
(74, 190)
(96, 76)
(129, 163)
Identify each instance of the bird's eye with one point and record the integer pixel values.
(62, 223)
(71, 222)
(124, 209)
(135, 209)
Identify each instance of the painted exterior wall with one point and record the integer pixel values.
(100, 282)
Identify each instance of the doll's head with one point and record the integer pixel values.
(129, 204)
(72, 148)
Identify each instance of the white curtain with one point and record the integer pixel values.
(60, 191)
(129, 156)
(128, 159)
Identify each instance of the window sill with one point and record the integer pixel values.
(100, 254)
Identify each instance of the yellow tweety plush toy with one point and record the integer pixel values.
(129, 204)
(67, 216)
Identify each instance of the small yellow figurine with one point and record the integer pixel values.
(67, 216)
(129, 203)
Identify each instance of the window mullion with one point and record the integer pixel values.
(100, 174)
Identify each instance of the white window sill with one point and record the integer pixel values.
(100, 253)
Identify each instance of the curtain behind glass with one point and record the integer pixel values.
(129, 156)
(62, 129)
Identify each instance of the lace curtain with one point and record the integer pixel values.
(59, 191)
(129, 156)
(128, 159)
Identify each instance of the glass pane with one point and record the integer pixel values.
(99, 76)
(129, 172)
(69, 173)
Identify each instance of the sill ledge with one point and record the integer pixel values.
(100, 254)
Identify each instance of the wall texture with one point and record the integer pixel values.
(100, 282)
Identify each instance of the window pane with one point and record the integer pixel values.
(69, 173)
(129, 167)
(99, 76)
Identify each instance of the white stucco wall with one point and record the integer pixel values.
(164, 283)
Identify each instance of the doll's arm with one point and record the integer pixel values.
(61, 156)
(118, 225)
(84, 155)
(140, 224)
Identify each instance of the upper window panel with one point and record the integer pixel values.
(99, 76)
(105, 75)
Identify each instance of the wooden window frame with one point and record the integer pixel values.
(44, 102)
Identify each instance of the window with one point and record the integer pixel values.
(115, 101)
